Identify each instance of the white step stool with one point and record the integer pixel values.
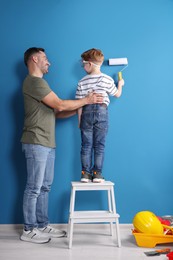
(109, 215)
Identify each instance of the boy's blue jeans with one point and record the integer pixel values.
(40, 173)
(94, 127)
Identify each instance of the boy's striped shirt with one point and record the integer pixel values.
(100, 83)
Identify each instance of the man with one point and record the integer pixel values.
(42, 106)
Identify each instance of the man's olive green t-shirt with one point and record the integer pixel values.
(39, 121)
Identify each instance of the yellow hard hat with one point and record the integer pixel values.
(147, 222)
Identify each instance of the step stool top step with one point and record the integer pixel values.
(91, 184)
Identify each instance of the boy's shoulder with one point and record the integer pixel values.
(107, 77)
(104, 77)
(85, 77)
(88, 77)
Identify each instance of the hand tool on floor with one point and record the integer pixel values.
(158, 252)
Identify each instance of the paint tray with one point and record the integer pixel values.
(151, 240)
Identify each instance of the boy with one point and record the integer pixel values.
(93, 119)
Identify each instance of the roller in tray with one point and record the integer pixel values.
(151, 240)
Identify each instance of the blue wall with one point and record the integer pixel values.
(139, 147)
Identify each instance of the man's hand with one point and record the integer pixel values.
(94, 98)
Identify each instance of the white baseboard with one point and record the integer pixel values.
(63, 225)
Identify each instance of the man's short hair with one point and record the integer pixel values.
(29, 52)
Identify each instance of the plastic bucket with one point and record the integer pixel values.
(170, 256)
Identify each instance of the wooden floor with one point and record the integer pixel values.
(90, 242)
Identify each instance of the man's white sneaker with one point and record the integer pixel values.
(34, 236)
(52, 232)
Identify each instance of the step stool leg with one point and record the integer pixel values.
(118, 232)
(110, 210)
(69, 220)
(71, 233)
(70, 224)
(68, 227)
(116, 220)
(71, 209)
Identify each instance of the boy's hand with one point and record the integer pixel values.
(121, 82)
(120, 86)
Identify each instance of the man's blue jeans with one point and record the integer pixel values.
(94, 127)
(40, 173)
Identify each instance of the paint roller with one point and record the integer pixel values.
(119, 62)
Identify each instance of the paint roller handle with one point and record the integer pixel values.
(120, 76)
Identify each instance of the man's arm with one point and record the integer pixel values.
(65, 114)
(55, 102)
